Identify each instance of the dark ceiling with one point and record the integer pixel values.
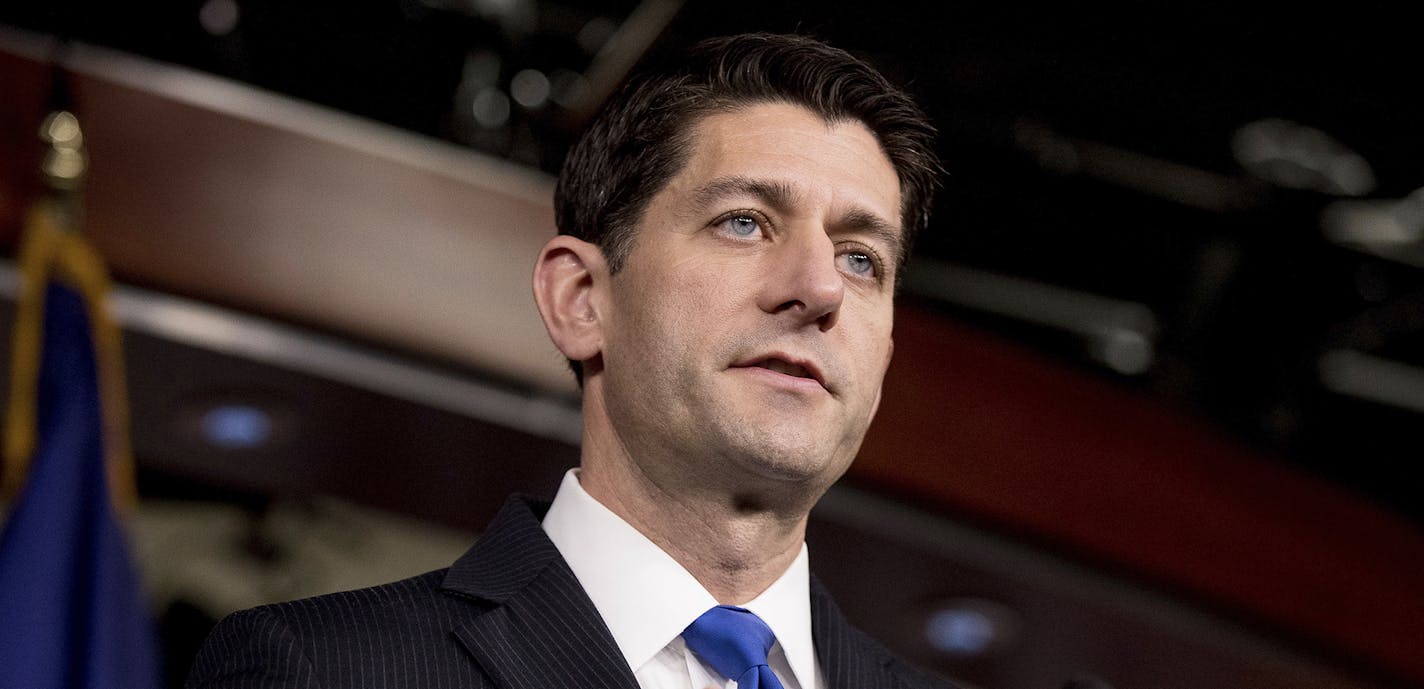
(1109, 153)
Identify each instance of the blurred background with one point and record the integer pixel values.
(1159, 360)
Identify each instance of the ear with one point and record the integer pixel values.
(565, 275)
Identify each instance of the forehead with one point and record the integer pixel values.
(838, 166)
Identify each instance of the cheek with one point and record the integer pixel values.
(664, 321)
(876, 365)
(701, 292)
(873, 358)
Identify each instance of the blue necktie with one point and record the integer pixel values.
(734, 642)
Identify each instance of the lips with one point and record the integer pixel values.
(786, 365)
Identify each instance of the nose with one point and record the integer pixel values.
(802, 281)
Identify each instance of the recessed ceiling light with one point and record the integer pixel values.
(1296, 156)
(237, 426)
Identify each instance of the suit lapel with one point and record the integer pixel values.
(542, 630)
(847, 658)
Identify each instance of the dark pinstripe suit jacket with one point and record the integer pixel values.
(508, 614)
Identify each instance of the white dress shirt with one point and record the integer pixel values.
(647, 598)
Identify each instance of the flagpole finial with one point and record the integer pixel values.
(65, 160)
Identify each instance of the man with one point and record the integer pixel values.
(732, 230)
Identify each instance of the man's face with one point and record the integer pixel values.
(747, 336)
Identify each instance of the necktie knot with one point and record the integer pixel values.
(734, 641)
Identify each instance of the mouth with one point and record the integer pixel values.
(786, 365)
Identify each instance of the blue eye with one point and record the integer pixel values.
(859, 263)
(742, 225)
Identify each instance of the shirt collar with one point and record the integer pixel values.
(785, 606)
(646, 598)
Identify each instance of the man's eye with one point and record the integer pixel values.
(859, 263)
(741, 225)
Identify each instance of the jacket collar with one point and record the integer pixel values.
(560, 640)
(542, 630)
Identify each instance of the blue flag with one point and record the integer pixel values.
(72, 610)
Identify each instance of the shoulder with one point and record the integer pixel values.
(311, 641)
(331, 614)
(397, 634)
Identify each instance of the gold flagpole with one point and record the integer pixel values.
(52, 248)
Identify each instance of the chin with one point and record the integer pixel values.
(793, 450)
(807, 465)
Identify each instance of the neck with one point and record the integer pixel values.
(735, 545)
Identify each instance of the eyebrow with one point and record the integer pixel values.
(783, 196)
(864, 222)
(779, 195)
